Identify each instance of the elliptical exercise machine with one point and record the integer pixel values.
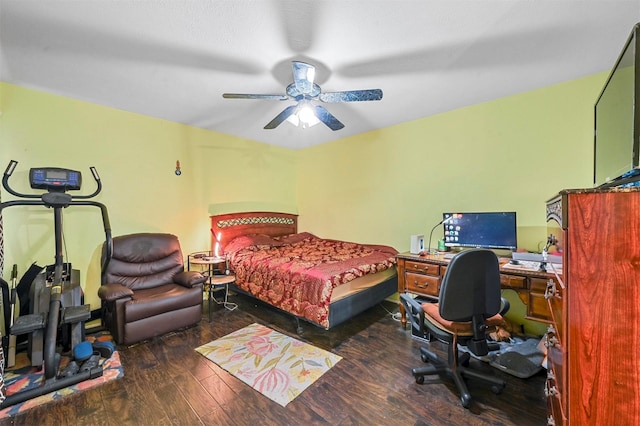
(56, 182)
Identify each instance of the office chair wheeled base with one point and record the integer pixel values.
(456, 368)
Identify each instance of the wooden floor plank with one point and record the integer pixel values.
(167, 382)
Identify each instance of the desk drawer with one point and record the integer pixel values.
(513, 281)
(422, 268)
(538, 308)
(422, 284)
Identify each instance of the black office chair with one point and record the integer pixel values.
(469, 307)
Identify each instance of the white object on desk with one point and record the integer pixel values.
(523, 265)
(535, 257)
(417, 244)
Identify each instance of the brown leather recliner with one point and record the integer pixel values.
(145, 290)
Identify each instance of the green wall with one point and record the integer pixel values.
(135, 156)
(510, 154)
(379, 187)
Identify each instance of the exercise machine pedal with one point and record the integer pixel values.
(33, 325)
(76, 317)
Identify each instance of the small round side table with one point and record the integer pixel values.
(215, 281)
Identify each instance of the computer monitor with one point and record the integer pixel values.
(492, 230)
(617, 120)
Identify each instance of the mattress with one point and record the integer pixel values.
(303, 274)
(363, 283)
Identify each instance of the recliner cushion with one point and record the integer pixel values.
(157, 300)
(432, 314)
(145, 260)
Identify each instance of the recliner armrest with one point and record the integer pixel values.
(113, 291)
(189, 278)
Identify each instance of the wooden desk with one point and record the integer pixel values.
(422, 275)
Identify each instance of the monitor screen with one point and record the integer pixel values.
(493, 230)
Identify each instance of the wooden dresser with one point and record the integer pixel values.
(594, 337)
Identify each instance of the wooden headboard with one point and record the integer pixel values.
(226, 227)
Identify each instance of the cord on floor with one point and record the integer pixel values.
(394, 315)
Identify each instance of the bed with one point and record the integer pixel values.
(324, 282)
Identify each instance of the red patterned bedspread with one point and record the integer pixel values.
(297, 273)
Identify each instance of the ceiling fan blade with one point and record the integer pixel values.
(327, 118)
(352, 96)
(281, 117)
(303, 76)
(253, 96)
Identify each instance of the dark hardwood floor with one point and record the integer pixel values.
(167, 382)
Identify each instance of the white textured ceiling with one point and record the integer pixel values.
(173, 59)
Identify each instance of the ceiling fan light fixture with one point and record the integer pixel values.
(307, 116)
(304, 116)
(293, 119)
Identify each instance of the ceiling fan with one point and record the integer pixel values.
(304, 91)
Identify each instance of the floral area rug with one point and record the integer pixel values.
(278, 366)
(23, 376)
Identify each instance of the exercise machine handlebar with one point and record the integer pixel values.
(60, 199)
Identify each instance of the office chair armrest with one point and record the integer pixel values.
(113, 291)
(189, 278)
(414, 312)
(505, 306)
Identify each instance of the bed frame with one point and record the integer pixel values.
(226, 227)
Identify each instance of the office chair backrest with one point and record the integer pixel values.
(471, 286)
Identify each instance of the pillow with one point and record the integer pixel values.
(295, 238)
(244, 241)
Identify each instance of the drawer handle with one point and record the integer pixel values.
(551, 391)
(551, 330)
(551, 342)
(551, 290)
(415, 283)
